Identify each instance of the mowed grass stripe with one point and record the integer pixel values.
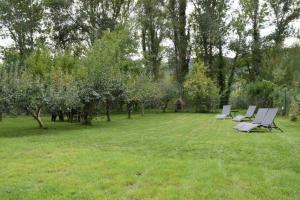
(158, 156)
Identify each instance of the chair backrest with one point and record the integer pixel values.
(260, 115)
(226, 109)
(270, 116)
(250, 111)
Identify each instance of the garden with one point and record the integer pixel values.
(149, 99)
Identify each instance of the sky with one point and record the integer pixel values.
(6, 42)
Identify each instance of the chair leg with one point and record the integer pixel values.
(275, 126)
(280, 129)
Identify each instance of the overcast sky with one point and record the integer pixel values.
(6, 42)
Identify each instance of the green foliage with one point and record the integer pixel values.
(105, 61)
(8, 85)
(21, 21)
(32, 92)
(260, 93)
(63, 91)
(111, 53)
(282, 66)
(105, 64)
(141, 88)
(169, 91)
(285, 12)
(66, 62)
(62, 27)
(201, 89)
(39, 63)
(47, 83)
(97, 16)
(152, 21)
(295, 108)
(11, 59)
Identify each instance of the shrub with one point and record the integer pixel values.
(169, 91)
(261, 93)
(201, 90)
(295, 108)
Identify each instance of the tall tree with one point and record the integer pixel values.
(210, 30)
(152, 22)
(203, 31)
(255, 12)
(241, 50)
(21, 21)
(97, 16)
(285, 12)
(62, 24)
(180, 35)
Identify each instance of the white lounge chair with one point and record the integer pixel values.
(226, 112)
(249, 114)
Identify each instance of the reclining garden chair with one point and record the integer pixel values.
(226, 112)
(249, 114)
(267, 122)
(260, 115)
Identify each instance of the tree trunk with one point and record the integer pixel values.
(180, 38)
(53, 116)
(87, 114)
(256, 51)
(108, 111)
(221, 77)
(143, 108)
(230, 81)
(165, 106)
(86, 119)
(61, 116)
(37, 116)
(121, 103)
(1, 116)
(129, 110)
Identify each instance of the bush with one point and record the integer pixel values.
(295, 108)
(201, 90)
(169, 91)
(261, 93)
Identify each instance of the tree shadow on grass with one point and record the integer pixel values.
(26, 128)
(260, 131)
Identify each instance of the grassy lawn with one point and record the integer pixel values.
(158, 156)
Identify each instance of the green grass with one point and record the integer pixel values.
(158, 156)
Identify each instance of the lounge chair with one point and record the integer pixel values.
(260, 115)
(226, 112)
(249, 114)
(267, 122)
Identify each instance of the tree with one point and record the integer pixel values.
(209, 21)
(241, 50)
(168, 92)
(8, 87)
(97, 16)
(63, 92)
(261, 93)
(104, 63)
(285, 12)
(33, 84)
(33, 95)
(39, 62)
(21, 21)
(63, 25)
(201, 89)
(180, 35)
(141, 89)
(152, 22)
(255, 12)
